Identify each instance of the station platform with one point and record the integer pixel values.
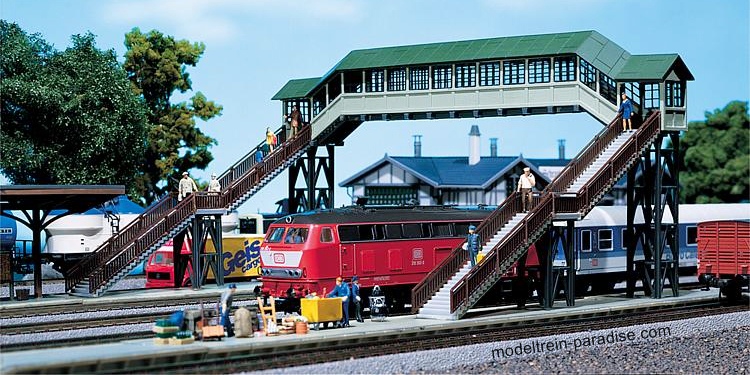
(210, 291)
(139, 354)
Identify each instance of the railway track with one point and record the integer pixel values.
(344, 349)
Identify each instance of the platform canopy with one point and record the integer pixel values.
(36, 202)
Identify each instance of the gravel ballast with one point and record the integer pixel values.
(715, 344)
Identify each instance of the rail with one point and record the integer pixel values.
(148, 228)
(505, 253)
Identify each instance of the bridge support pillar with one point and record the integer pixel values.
(317, 192)
(652, 189)
(560, 238)
(203, 228)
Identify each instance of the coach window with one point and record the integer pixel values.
(489, 74)
(691, 235)
(539, 71)
(623, 242)
(605, 239)
(514, 72)
(419, 78)
(412, 230)
(276, 235)
(441, 229)
(586, 240)
(326, 235)
(393, 231)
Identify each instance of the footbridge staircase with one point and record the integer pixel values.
(453, 287)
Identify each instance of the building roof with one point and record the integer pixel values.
(602, 53)
(74, 198)
(455, 171)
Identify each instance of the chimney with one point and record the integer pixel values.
(474, 145)
(417, 145)
(493, 147)
(561, 149)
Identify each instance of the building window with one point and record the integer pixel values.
(651, 96)
(565, 69)
(389, 195)
(691, 235)
(375, 79)
(539, 71)
(586, 240)
(419, 78)
(442, 77)
(588, 75)
(675, 95)
(605, 239)
(632, 90)
(466, 75)
(513, 72)
(489, 74)
(397, 79)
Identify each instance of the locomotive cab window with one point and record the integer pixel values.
(296, 235)
(691, 235)
(326, 235)
(586, 240)
(276, 235)
(605, 239)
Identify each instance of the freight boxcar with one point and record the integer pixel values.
(724, 255)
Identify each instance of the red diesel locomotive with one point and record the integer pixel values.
(394, 248)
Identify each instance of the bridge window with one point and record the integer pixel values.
(565, 69)
(607, 88)
(319, 102)
(675, 95)
(489, 74)
(632, 90)
(397, 79)
(514, 72)
(651, 96)
(605, 239)
(442, 77)
(539, 71)
(302, 105)
(466, 75)
(375, 79)
(334, 88)
(586, 240)
(588, 75)
(419, 78)
(353, 81)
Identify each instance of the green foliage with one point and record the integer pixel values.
(68, 117)
(717, 157)
(156, 66)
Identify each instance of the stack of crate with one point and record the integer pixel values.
(164, 330)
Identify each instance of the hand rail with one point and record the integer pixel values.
(499, 258)
(148, 228)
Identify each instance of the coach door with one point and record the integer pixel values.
(346, 254)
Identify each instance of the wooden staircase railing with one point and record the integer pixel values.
(506, 253)
(148, 228)
(436, 278)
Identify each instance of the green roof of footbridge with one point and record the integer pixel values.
(296, 88)
(593, 47)
(653, 67)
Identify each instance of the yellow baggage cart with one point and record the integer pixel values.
(321, 310)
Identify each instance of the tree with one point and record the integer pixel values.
(68, 117)
(717, 157)
(156, 66)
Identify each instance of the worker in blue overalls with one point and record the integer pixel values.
(356, 299)
(473, 245)
(342, 291)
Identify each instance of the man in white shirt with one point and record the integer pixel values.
(525, 183)
(214, 186)
(187, 186)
